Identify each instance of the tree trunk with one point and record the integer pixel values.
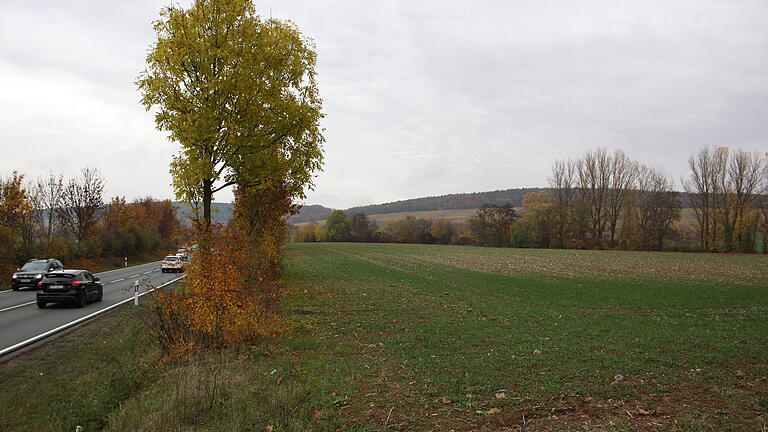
(207, 198)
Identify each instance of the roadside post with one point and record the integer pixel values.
(126, 261)
(136, 293)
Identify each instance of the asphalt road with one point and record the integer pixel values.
(21, 319)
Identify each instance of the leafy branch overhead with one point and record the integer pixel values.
(239, 94)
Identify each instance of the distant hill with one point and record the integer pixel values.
(220, 212)
(463, 201)
(311, 213)
(455, 207)
(449, 202)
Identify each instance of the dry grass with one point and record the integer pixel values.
(728, 268)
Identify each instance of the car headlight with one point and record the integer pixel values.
(15, 276)
(38, 276)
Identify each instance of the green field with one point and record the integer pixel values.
(416, 337)
(545, 330)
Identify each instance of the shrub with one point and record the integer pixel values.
(576, 244)
(233, 288)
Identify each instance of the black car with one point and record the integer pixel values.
(69, 286)
(32, 272)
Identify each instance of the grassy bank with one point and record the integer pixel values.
(386, 337)
(78, 378)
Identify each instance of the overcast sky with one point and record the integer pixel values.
(421, 97)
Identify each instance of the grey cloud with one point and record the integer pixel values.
(422, 98)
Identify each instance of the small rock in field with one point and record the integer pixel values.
(446, 400)
(268, 429)
(501, 395)
(643, 412)
(536, 352)
(619, 378)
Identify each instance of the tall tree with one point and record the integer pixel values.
(594, 174)
(623, 172)
(81, 200)
(723, 185)
(361, 227)
(48, 192)
(762, 205)
(700, 188)
(406, 230)
(537, 213)
(16, 208)
(658, 207)
(742, 181)
(239, 95)
(491, 224)
(337, 227)
(562, 182)
(442, 231)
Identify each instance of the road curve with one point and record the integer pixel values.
(20, 318)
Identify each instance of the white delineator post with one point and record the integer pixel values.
(126, 261)
(136, 293)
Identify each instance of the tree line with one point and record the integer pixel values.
(67, 218)
(603, 200)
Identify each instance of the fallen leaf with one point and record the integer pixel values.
(643, 412)
(268, 429)
(314, 414)
(279, 381)
(446, 400)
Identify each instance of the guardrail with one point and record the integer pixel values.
(80, 320)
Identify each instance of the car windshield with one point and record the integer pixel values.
(171, 258)
(35, 266)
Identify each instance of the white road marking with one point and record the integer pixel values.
(17, 306)
(117, 280)
(78, 321)
(133, 276)
(149, 272)
(123, 268)
(108, 271)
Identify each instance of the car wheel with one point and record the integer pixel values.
(83, 300)
(101, 296)
(41, 305)
(15, 288)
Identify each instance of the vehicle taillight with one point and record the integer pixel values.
(76, 284)
(39, 284)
